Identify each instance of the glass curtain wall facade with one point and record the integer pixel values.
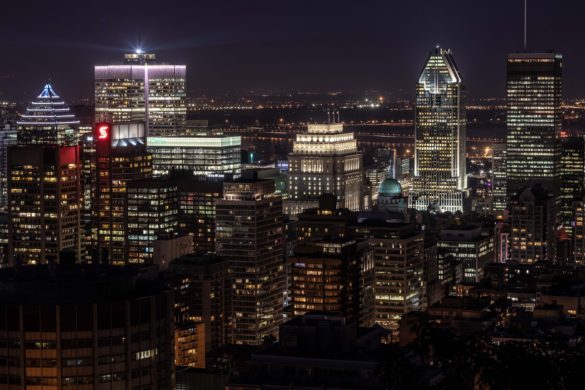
(440, 133)
(112, 175)
(499, 192)
(534, 90)
(142, 90)
(7, 139)
(152, 209)
(44, 191)
(212, 155)
(572, 176)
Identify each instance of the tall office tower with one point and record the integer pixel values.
(579, 231)
(7, 138)
(571, 178)
(206, 154)
(324, 160)
(250, 235)
(533, 120)
(200, 283)
(120, 157)
(88, 164)
(397, 269)
(85, 327)
(142, 90)
(499, 193)
(43, 203)
(323, 274)
(469, 245)
(440, 134)
(47, 121)
(197, 199)
(532, 223)
(152, 212)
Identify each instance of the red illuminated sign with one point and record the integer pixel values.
(103, 131)
(102, 135)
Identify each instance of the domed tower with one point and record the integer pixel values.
(390, 197)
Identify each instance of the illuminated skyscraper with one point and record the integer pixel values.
(47, 121)
(440, 131)
(7, 138)
(324, 276)
(44, 204)
(88, 164)
(204, 154)
(250, 236)
(579, 231)
(324, 271)
(120, 157)
(152, 209)
(499, 193)
(397, 266)
(142, 90)
(571, 178)
(197, 198)
(533, 120)
(532, 225)
(469, 245)
(325, 160)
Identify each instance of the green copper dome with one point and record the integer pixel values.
(390, 187)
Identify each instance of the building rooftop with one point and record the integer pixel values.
(533, 193)
(197, 259)
(48, 109)
(80, 283)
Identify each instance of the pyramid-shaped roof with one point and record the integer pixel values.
(47, 109)
(48, 92)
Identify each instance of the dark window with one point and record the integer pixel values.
(68, 318)
(31, 318)
(104, 313)
(85, 317)
(12, 318)
(118, 314)
(48, 318)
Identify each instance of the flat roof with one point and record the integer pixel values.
(79, 283)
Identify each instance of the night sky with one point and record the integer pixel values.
(282, 45)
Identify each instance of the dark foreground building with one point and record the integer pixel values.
(319, 350)
(84, 327)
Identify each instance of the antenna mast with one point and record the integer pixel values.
(525, 23)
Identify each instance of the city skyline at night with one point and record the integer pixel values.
(260, 195)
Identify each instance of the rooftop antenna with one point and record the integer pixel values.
(525, 23)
